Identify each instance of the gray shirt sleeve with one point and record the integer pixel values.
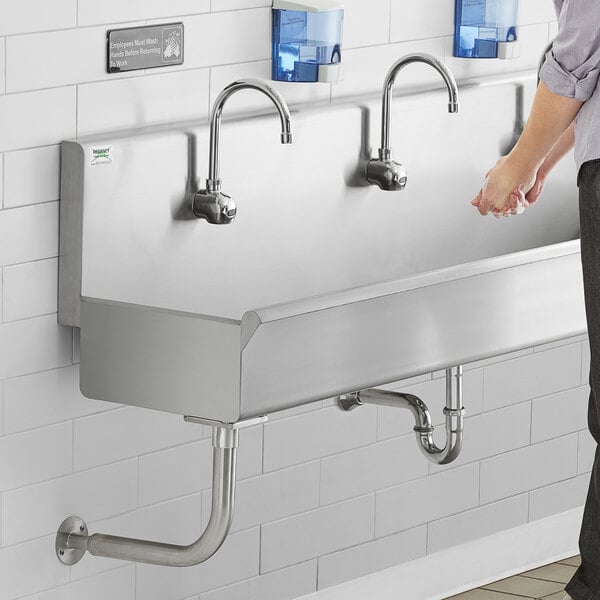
(572, 66)
(557, 7)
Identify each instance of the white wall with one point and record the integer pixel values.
(324, 497)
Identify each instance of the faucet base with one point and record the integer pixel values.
(386, 173)
(215, 207)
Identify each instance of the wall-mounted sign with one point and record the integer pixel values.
(147, 47)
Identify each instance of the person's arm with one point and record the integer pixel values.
(550, 117)
(569, 77)
(561, 149)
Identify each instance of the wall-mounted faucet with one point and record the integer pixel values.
(388, 174)
(211, 203)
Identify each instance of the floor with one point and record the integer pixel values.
(545, 583)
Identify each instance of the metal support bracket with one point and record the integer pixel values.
(454, 413)
(73, 541)
(222, 425)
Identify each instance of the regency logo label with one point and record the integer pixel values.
(101, 155)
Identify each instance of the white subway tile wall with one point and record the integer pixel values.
(142, 101)
(30, 289)
(528, 468)
(427, 19)
(45, 398)
(373, 556)
(98, 492)
(283, 493)
(93, 13)
(33, 176)
(317, 532)
(323, 496)
(360, 28)
(28, 16)
(477, 523)
(284, 584)
(31, 60)
(2, 68)
(586, 447)
(237, 560)
(418, 502)
(37, 118)
(558, 497)
(585, 364)
(28, 233)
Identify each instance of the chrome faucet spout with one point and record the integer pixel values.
(211, 204)
(217, 111)
(384, 171)
(390, 80)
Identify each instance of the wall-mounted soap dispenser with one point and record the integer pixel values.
(307, 40)
(486, 29)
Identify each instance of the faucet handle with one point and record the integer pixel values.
(214, 206)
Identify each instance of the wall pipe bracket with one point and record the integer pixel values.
(73, 541)
(453, 411)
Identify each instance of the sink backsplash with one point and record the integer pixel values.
(152, 468)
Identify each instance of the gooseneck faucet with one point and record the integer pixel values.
(388, 174)
(211, 203)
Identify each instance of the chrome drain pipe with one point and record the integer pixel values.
(453, 411)
(73, 541)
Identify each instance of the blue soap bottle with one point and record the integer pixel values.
(307, 40)
(486, 29)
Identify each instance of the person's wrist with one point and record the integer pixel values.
(544, 171)
(522, 164)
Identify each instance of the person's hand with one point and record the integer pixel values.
(505, 189)
(519, 201)
(538, 187)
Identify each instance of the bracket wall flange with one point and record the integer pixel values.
(67, 555)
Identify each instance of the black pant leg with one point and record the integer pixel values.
(585, 585)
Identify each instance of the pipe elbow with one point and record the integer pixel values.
(454, 438)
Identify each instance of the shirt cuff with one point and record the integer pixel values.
(563, 83)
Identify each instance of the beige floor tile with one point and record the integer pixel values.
(557, 596)
(556, 572)
(544, 583)
(574, 562)
(526, 586)
(481, 594)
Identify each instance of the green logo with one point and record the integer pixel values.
(101, 155)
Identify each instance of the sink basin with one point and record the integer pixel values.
(322, 285)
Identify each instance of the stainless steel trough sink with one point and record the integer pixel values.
(322, 285)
